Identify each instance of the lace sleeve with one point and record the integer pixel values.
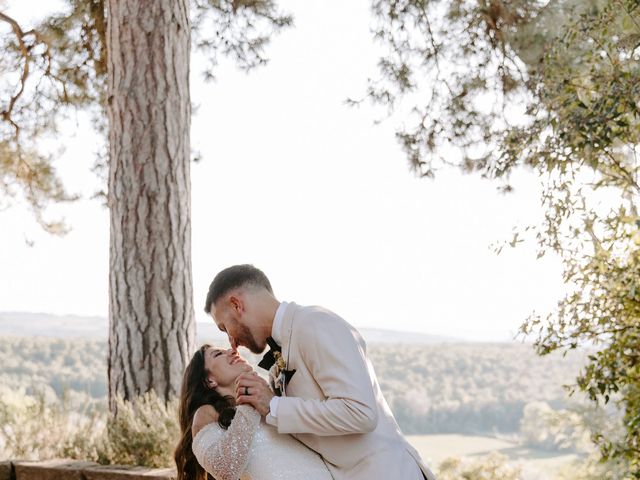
(226, 454)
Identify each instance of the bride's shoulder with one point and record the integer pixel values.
(205, 414)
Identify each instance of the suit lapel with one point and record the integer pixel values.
(286, 332)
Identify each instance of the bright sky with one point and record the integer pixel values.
(314, 194)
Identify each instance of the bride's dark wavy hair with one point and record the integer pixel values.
(195, 393)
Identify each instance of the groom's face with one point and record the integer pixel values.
(232, 318)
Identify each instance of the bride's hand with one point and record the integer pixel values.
(253, 390)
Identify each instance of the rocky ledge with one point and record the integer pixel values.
(64, 469)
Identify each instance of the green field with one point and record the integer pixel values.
(435, 448)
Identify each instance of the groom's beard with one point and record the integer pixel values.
(247, 340)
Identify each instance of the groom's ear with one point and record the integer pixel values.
(235, 303)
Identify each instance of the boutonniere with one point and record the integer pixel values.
(280, 375)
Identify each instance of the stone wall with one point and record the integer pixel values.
(63, 469)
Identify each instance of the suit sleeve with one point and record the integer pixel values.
(335, 356)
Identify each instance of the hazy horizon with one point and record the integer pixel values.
(62, 329)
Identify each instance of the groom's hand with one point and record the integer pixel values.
(259, 392)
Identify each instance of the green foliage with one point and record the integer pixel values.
(46, 71)
(545, 428)
(604, 309)
(449, 72)
(39, 427)
(450, 388)
(34, 427)
(568, 429)
(59, 66)
(552, 86)
(243, 29)
(588, 421)
(468, 388)
(492, 467)
(592, 95)
(462, 388)
(539, 80)
(54, 366)
(143, 432)
(592, 468)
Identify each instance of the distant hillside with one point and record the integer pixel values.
(20, 324)
(468, 388)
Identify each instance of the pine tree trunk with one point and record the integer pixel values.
(152, 330)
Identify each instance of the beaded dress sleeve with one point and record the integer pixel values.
(225, 453)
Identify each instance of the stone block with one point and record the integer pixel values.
(56, 469)
(6, 471)
(121, 472)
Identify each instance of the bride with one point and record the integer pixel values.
(232, 442)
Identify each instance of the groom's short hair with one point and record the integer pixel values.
(235, 277)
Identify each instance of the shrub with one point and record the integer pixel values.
(592, 468)
(144, 432)
(492, 467)
(37, 427)
(44, 426)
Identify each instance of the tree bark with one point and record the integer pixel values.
(152, 330)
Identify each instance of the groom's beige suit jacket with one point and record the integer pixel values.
(333, 403)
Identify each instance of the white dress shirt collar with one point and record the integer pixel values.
(276, 333)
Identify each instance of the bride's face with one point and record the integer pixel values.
(224, 366)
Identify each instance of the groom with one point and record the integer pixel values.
(329, 397)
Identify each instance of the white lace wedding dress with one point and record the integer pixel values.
(250, 449)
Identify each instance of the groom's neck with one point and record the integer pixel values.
(267, 306)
